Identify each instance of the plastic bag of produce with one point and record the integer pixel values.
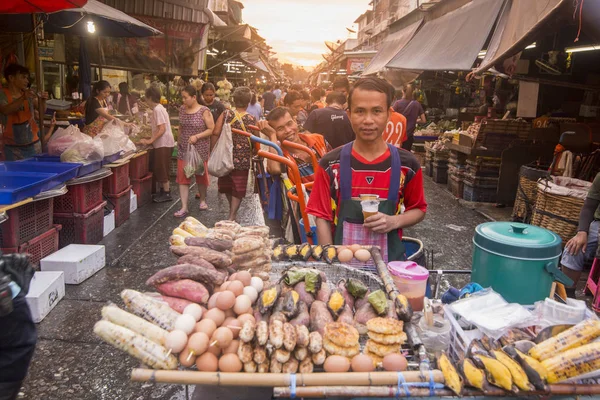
(85, 151)
(64, 138)
(113, 138)
(220, 162)
(192, 162)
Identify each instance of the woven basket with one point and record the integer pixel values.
(527, 193)
(558, 213)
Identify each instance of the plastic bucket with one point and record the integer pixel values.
(411, 281)
(313, 229)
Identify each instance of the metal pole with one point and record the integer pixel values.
(38, 82)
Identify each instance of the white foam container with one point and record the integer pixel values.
(109, 223)
(77, 261)
(47, 288)
(133, 202)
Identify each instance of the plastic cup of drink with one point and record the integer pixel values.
(364, 197)
(369, 208)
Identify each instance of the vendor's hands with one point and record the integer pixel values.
(267, 130)
(381, 223)
(193, 139)
(146, 142)
(30, 94)
(577, 243)
(44, 96)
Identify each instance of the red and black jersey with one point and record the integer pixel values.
(368, 177)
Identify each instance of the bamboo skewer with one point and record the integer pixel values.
(273, 380)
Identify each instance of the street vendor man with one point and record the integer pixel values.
(581, 249)
(370, 167)
(17, 113)
(280, 126)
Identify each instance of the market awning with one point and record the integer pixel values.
(254, 61)
(518, 23)
(214, 18)
(391, 46)
(452, 41)
(38, 6)
(107, 21)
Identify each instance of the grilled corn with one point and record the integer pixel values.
(582, 333)
(158, 313)
(127, 320)
(573, 362)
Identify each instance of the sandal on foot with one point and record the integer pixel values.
(197, 195)
(203, 206)
(180, 214)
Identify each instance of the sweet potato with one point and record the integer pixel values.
(341, 286)
(324, 293)
(176, 304)
(187, 271)
(319, 317)
(185, 289)
(306, 297)
(218, 259)
(346, 316)
(303, 317)
(359, 303)
(210, 243)
(194, 259)
(362, 315)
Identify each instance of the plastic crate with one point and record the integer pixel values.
(80, 198)
(38, 247)
(481, 181)
(480, 194)
(139, 166)
(440, 173)
(26, 222)
(118, 181)
(143, 189)
(455, 186)
(85, 228)
(173, 167)
(460, 337)
(121, 203)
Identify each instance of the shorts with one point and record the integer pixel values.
(184, 180)
(578, 261)
(15, 153)
(234, 184)
(161, 163)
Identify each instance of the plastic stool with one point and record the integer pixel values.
(593, 284)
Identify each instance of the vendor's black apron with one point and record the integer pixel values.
(349, 227)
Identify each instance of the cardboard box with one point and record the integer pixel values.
(77, 261)
(45, 291)
(462, 139)
(109, 223)
(133, 202)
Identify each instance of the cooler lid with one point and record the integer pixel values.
(518, 240)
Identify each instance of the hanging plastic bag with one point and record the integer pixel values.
(113, 138)
(192, 162)
(220, 162)
(87, 150)
(64, 138)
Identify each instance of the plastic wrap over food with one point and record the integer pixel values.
(85, 151)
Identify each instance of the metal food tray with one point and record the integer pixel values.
(337, 271)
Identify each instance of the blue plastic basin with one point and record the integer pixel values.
(85, 169)
(17, 186)
(63, 171)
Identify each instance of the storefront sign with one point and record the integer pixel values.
(175, 29)
(356, 65)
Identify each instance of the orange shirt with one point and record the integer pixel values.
(395, 130)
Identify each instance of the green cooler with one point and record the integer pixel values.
(519, 261)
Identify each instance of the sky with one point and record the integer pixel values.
(297, 29)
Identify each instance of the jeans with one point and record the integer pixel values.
(578, 261)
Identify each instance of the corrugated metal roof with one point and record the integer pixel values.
(180, 10)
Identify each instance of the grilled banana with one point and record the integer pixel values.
(291, 252)
(473, 376)
(582, 333)
(317, 252)
(452, 379)
(536, 373)
(330, 254)
(268, 298)
(497, 374)
(278, 252)
(305, 251)
(519, 376)
(573, 362)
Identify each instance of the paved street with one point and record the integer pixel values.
(71, 363)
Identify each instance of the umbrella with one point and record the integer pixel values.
(38, 6)
(107, 21)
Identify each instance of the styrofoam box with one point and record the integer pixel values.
(132, 202)
(46, 290)
(77, 261)
(109, 223)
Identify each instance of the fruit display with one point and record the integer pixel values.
(520, 365)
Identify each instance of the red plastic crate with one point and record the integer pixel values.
(143, 189)
(118, 181)
(85, 228)
(139, 166)
(26, 222)
(80, 198)
(121, 204)
(38, 247)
